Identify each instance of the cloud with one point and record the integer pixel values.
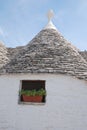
(1, 32)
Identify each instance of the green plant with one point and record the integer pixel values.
(34, 92)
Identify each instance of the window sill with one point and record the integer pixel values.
(31, 103)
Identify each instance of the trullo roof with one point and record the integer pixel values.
(47, 52)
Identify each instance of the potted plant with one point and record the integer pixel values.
(33, 95)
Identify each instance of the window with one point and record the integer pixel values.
(32, 91)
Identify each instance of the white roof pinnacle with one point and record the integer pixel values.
(50, 15)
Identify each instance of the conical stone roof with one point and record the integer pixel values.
(47, 52)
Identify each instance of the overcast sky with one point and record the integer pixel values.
(21, 20)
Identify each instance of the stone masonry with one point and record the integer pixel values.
(47, 52)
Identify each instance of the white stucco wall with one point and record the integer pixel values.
(65, 107)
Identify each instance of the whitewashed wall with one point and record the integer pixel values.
(65, 107)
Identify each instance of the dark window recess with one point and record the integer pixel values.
(33, 85)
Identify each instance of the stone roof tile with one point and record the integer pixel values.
(47, 52)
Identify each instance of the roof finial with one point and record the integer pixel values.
(50, 25)
(50, 14)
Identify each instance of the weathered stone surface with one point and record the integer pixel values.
(3, 55)
(48, 52)
(84, 54)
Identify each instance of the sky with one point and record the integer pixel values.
(21, 20)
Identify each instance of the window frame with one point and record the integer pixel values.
(31, 103)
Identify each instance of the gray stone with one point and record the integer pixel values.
(48, 52)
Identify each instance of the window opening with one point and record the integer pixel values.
(33, 90)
